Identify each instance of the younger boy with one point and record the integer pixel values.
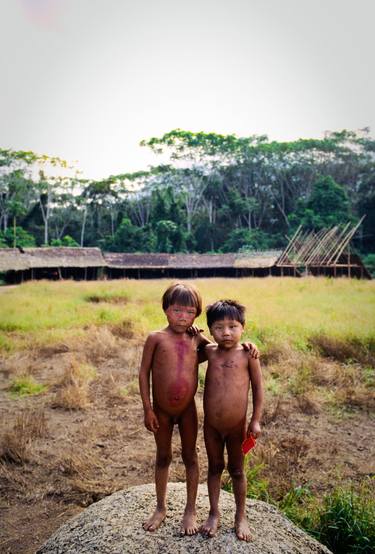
(171, 357)
(229, 374)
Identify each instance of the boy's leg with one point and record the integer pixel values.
(215, 453)
(163, 439)
(236, 471)
(188, 427)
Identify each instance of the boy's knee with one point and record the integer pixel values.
(216, 468)
(236, 472)
(189, 458)
(163, 460)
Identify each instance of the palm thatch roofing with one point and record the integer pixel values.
(11, 259)
(47, 256)
(120, 260)
(257, 259)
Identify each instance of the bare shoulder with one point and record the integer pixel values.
(242, 355)
(154, 337)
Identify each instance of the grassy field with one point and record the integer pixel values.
(292, 310)
(71, 430)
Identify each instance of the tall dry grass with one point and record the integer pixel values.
(73, 387)
(16, 442)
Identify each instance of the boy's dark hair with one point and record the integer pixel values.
(181, 293)
(225, 309)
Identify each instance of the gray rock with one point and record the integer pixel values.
(114, 526)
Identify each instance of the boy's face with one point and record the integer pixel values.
(227, 332)
(180, 318)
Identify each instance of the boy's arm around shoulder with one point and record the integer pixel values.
(203, 345)
(150, 419)
(256, 381)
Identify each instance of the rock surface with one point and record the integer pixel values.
(114, 526)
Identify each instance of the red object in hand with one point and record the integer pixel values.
(248, 444)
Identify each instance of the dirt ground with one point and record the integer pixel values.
(56, 461)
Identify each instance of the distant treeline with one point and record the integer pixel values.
(218, 193)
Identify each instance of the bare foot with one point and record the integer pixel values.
(242, 529)
(189, 524)
(155, 520)
(210, 526)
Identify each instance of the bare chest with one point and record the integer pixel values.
(178, 353)
(228, 370)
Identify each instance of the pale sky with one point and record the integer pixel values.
(86, 80)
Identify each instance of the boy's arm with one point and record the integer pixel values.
(258, 397)
(150, 419)
(203, 342)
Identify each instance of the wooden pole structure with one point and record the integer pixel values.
(289, 246)
(347, 239)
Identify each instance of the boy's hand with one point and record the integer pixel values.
(151, 421)
(252, 349)
(254, 429)
(194, 330)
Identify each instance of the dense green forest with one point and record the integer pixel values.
(216, 193)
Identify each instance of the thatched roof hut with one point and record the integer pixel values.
(190, 265)
(257, 259)
(48, 257)
(119, 260)
(188, 261)
(51, 263)
(11, 259)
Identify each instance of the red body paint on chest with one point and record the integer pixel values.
(178, 390)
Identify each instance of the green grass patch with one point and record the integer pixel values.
(344, 520)
(279, 311)
(25, 386)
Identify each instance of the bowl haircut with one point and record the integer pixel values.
(225, 309)
(183, 294)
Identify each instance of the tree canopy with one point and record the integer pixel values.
(218, 193)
